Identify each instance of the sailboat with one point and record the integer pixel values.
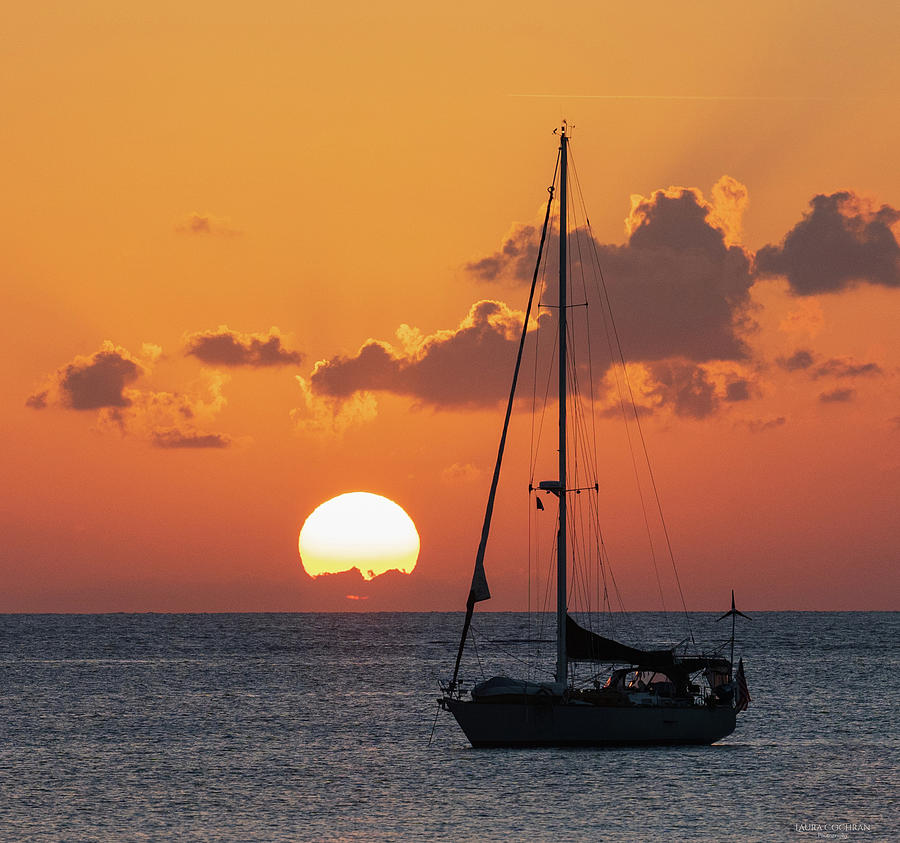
(650, 696)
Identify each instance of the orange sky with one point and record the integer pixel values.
(332, 172)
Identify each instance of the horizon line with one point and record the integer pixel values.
(354, 611)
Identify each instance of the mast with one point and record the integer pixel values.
(562, 666)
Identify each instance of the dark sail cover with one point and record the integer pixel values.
(582, 645)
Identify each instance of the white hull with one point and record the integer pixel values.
(557, 724)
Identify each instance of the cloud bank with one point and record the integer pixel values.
(680, 289)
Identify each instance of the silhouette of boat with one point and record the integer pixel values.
(649, 696)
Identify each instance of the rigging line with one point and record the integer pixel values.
(478, 655)
(595, 551)
(643, 441)
(576, 527)
(579, 536)
(551, 578)
(535, 445)
(603, 550)
(643, 445)
(576, 258)
(612, 357)
(637, 477)
(528, 604)
(436, 713)
(608, 309)
(546, 400)
(587, 318)
(496, 645)
(495, 480)
(534, 545)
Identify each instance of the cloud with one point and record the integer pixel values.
(679, 287)
(224, 347)
(100, 382)
(460, 473)
(91, 382)
(838, 367)
(803, 358)
(738, 390)
(684, 387)
(38, 400)
(514, 260)
(151, 352)
(845, 367)
(174, 438)
(171, 419)
(759, 425)
(205, 225)
(837, 396)
(729, 201)
(330, 415)
(841, 241)
(469, 365)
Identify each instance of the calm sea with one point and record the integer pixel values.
(316, 727)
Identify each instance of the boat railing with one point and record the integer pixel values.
(455, 690)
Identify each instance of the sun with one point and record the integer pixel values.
(358, 530)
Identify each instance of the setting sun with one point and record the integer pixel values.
(358, 530)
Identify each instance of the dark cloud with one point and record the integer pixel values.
(738, 391)
(174, 438)
(90, 383)
(677, 287)
(843, 367)
(469, 365)
(837, 396)
(684, 387)
(224, 347)
(374, 367)
(38, 400)
(839, 242)
(679, 292)
(801, 359)
(166, 419)
(837, 367)
(514, 260)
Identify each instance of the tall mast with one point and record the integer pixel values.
(562, 665)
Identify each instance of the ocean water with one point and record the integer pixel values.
(316, 727)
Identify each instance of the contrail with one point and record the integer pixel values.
(667, 97)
